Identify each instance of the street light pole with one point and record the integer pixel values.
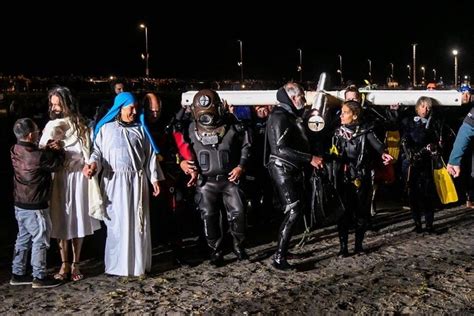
(455, 53)
(422, 75)
(300, 66)
(434, 74)
(409, 73)
(147, 56)
(391, 73)
(414, 64)
(241, 63)
(340, 69)
(370, 70)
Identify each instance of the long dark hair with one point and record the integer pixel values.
(71, 109)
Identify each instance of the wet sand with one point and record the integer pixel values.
(402, 273)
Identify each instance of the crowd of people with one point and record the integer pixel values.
(115, 169)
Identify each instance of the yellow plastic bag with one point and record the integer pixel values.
(392, 140)
(445, 185)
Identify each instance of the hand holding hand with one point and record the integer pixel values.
(89, 170)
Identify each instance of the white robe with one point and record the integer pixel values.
(69, 197)
(126, 158)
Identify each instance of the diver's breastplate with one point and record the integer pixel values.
(213, 150)
(210, 137)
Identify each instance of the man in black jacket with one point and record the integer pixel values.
(289, 154)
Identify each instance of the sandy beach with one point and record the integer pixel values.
(402, 273)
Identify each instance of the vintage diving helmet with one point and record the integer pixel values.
(208, 112)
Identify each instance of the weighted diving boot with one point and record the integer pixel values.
(359, 238)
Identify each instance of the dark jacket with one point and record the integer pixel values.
(416, 135)
(287, 136)
(356, 145)
(32, 169)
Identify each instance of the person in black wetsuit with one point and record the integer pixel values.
(422, 141)
(352, 172)
(221, 146)
(289, 155)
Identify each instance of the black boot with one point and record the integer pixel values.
(237, 227)
(240, 252)
(418, 228)
(359, 238)
(178, 254)
(286, 228)
(429, 218)
(217, 258)
(416, 215)
(343, 251)
(280, 262)
(212, 232)
(430, 228)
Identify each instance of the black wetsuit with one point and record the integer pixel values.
(353, 180)
(215, 161)
(289, 154)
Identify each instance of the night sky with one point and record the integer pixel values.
(101, 42)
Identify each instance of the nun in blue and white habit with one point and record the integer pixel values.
(126, 154)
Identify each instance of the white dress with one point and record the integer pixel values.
(126, 158)
(69, 197)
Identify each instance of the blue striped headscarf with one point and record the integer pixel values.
(123, 99)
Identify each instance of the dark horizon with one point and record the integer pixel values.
(104, 43)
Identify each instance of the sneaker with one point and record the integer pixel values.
(20, 279)
(45, 283)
